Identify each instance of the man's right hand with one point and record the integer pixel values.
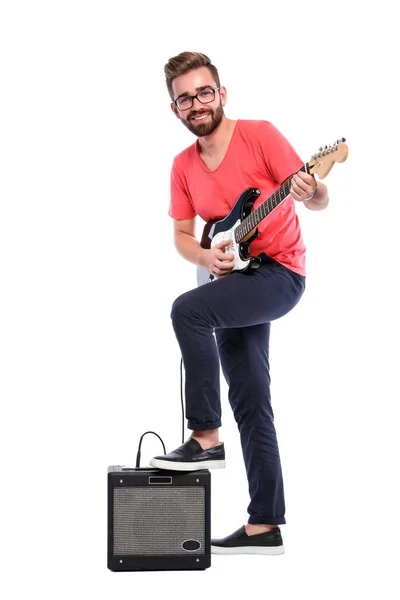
(217, 262)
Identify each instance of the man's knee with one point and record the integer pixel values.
(189, 308)
(179, 309)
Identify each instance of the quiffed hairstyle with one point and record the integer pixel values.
(185, 62)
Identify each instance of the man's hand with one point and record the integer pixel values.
(217, 262)
(302, 186)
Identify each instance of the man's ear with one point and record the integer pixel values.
(175, 110)
(223, 94)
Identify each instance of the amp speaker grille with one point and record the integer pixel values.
(157, 521)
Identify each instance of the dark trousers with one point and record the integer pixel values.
(239, 309)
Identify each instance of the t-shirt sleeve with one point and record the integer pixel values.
(180, 206)
(280, 157)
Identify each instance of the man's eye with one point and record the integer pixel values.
(205, 93)
(184, 100)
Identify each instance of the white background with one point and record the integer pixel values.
(89, 360)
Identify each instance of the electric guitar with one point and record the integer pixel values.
(240, 226)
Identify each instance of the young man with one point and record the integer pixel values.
(206, 180)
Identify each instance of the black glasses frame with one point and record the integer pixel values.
(208, 87)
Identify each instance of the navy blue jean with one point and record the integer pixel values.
(239, 308)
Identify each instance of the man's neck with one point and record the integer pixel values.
(218, 139)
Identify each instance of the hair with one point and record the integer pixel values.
(185, 62)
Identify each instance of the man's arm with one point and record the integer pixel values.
(303, 185)
(215, 260)
(280, 157)
(186, 243)
(320, 200)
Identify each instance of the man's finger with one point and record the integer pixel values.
(223, 244)
(301, 186)
(295, 195)
(222, 256)
(309, 179)
(225, 264)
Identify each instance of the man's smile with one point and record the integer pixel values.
(200, 117)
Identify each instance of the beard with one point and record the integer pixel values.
(201, 129)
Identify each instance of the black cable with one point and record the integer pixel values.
(154, 433)
(140, 444)
(183, 414)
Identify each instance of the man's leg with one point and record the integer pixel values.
(235, 301)
(239, 300)
(244, 355)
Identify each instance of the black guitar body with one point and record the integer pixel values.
(242, 208)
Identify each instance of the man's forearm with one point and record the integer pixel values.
(320, 200)
(188, 247)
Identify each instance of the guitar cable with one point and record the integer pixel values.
(154, 433)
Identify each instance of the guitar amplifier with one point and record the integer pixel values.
(158, 519)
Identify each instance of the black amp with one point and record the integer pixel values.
(158, 520)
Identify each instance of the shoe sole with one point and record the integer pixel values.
(187, 466)
(271, 550)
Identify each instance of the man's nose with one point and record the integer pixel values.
(198, 102)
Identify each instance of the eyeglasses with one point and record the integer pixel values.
(204, 96)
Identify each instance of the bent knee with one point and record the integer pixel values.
(179, 308)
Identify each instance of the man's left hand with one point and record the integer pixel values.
(302, 186)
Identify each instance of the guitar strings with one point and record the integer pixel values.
(254, 218)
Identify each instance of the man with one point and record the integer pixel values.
(206, 180)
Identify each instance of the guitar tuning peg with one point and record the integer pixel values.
(343, 139)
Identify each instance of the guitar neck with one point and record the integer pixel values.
(248, 224)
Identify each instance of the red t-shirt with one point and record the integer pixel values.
(258, 156)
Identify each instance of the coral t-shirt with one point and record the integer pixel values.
(258, 156)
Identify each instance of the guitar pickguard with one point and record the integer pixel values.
(233, 248)
(224, 229)
(203, 276)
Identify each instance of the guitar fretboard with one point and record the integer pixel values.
(255, 217)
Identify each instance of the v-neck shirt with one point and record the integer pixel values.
(258, 155)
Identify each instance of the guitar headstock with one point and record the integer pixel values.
(322, 162)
